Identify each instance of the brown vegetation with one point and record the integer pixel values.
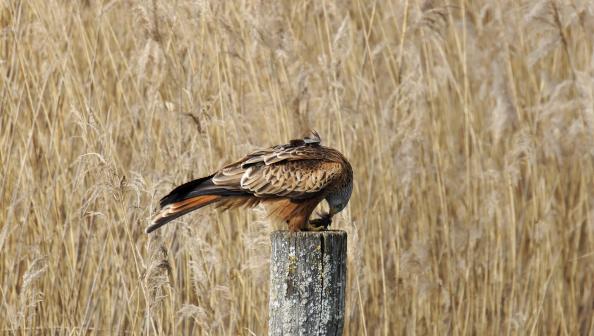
(470, 127)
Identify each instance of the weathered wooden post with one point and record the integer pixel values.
(307, 283)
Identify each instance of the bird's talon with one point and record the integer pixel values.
(321, 223)
(311, 227)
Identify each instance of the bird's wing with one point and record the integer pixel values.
(293, 179)
(295, 170)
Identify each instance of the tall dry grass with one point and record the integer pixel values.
(470, 126)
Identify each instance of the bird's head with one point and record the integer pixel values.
(336, 207)
(338, 200)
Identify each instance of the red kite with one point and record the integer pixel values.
(290, 179)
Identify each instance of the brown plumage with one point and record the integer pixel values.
(291, 180)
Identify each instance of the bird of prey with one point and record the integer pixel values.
(290, 180)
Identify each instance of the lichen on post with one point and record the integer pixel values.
(307, 283)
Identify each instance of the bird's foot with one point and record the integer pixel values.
(320, 224)
(314, 228)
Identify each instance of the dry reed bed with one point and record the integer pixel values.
(470, 126)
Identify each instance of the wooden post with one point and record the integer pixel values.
(307, 283)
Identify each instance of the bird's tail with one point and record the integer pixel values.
(177, 209)
(188, 197)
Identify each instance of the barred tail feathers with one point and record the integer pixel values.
(174, 210)
(194, 195)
